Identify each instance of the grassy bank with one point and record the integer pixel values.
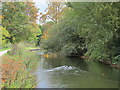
(4, 49)
(17, 67)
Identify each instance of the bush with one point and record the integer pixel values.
(17, 49)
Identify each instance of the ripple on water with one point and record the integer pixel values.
(65, 70)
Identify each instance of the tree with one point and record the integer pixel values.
(4, 36)
(90, 29)
(98, 24)
(63, 36)
(20, 20)
(46, 27)
(53, 12)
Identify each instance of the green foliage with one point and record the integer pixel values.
(19, 19)
(64, 35)
(91, 29)
(4, 34)
(116, 60)
(100, 30)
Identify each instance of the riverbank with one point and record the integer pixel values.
(110, 64)
(84, 58)
(106, 62)
(17, 70)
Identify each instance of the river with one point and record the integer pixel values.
(63, 72)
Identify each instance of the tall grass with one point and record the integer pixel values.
(21, 64)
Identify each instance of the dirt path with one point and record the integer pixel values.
(3, 52)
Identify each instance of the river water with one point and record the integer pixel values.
(63, 72)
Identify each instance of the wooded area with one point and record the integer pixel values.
(90, 30)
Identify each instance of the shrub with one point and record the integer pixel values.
(17, 49)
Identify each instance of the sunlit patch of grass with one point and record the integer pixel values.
(3, 49)
(28, 48)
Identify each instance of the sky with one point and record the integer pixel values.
(42, 5)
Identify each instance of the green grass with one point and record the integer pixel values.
(31, 48)
(3, 49)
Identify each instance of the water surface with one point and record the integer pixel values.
(62, 72)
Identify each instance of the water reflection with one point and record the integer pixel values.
(62, 72)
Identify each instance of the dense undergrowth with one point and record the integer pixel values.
(17, 68)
